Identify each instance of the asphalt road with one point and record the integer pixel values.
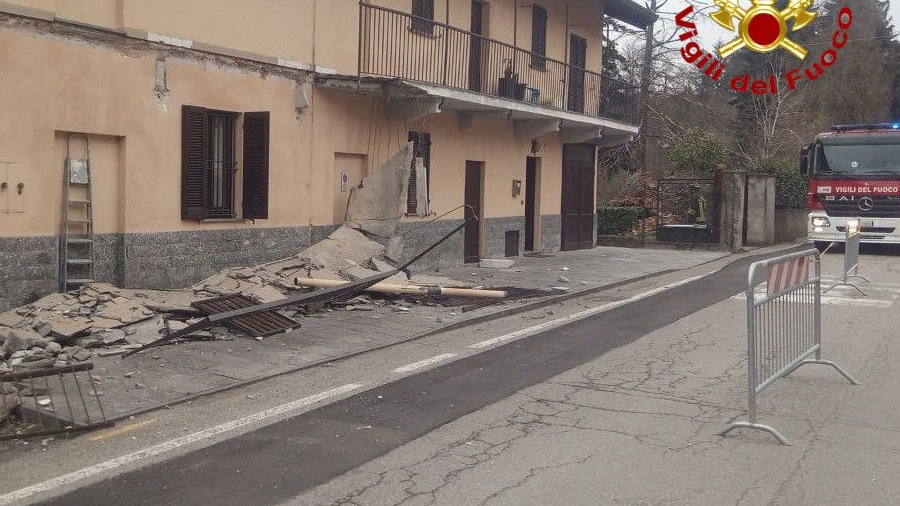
(279, 461)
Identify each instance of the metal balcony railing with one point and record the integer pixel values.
(397, 44)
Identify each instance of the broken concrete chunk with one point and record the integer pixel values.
(82, 355)
(111, 336)
(265, 294)
(69, 327)
(375, 205)
(175, 325)
(38, 364)
(52, 300)
(99, 323)
(324, 274)
(357, 273)
(54, 347)
(21, 339)
(11, 319)
(342, 249)
(37, 354)
(89, 342)
(382, 266)
(43, 328)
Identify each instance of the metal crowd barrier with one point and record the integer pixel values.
(50, 401)
(784, 326)
(851, 257)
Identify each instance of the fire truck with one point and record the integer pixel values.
(854, 174)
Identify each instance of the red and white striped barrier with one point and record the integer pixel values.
(786, 275)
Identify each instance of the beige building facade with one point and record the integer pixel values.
(232, 138)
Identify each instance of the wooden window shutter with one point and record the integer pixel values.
(423, 9)
(411, 202)
(193, 162)
(256, 165)
(421, 149)
(539, 37)
(424, 150)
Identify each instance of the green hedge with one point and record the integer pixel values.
(615, 220)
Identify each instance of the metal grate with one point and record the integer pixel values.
(50, 401)
(263, 323)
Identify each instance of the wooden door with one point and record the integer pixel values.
(577, 197)
(577, 61)
(472, 237)
(530, 197)
(475, 44)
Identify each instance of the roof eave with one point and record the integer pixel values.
(629, 12)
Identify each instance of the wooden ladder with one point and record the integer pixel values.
(76, 261)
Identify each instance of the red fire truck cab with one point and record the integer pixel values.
(854, 173)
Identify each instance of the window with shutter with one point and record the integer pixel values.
(256, 165)
(209, 168)
(539, 37)
(423, 14)
(421, 149)
(193, 162)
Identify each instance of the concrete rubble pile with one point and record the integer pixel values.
(65, 328)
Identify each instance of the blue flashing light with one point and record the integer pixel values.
(867, 126)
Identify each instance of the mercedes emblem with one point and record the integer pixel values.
(866, 204)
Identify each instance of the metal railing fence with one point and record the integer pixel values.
(784, 326)
(397, 44)
(50, 401)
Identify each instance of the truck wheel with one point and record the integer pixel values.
(821, 245)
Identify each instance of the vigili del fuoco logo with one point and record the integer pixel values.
(762, 28)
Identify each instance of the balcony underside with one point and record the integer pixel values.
(410, 100)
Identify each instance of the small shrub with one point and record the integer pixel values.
(616, 220)
(698, 152)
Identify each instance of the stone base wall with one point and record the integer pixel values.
(418, 236)
(494, 236)
(179, 259)
(551, 230)
(29, 269)
(29, 266)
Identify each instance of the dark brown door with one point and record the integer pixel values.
(577, 61)
(530, 218)
(475, 43)
(472, 237)
(578, 197)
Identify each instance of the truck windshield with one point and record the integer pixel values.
(858, 159)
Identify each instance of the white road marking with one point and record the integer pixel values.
(579, 315)
(161, 448)
(830, 280)
(835, 294)
(424, 363)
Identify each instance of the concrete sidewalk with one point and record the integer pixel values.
(175, 373)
